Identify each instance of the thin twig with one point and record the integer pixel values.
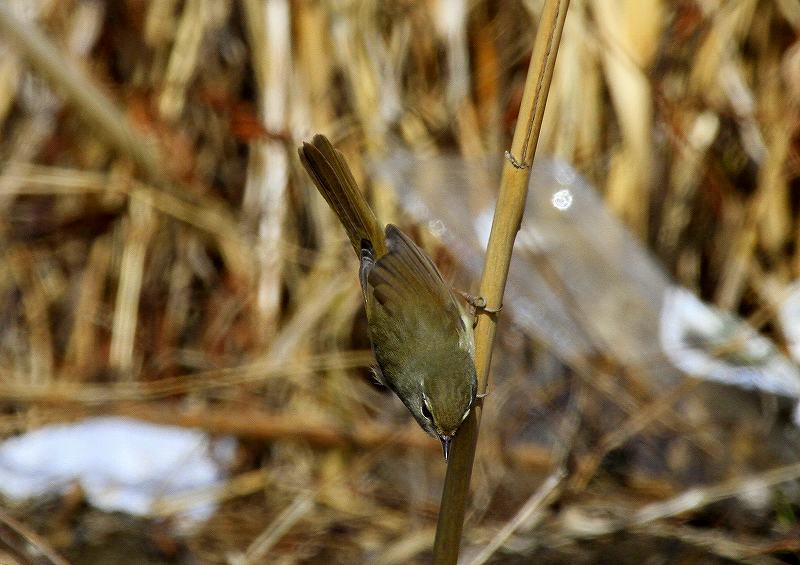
(530, 514)
(27, 542)
(271, 535)
(714, 542)
(506, 222)
(579, 523)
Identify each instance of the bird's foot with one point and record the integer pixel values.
(479, 302)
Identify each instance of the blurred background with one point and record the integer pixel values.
(177, 299)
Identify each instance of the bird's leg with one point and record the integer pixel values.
(478, 302)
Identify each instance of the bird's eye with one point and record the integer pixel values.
(426, 411)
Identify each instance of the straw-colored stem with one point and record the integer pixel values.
(102, 114)
(73, 83)
(506, 222)
(24, 542)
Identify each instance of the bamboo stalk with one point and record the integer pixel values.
(506, 222)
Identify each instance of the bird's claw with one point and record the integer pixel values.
(479, 303)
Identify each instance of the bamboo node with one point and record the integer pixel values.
(514, 161)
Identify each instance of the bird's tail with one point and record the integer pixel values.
(332, 176)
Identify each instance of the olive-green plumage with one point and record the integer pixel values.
(420, 334)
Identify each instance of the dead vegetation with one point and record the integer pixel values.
(164, 257)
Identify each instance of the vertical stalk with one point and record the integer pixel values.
(506, 222)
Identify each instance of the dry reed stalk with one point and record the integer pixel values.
(701, 130)
(265, 198)
(193, 24)
(507, 218)
(24, 544)
(241, 485)
(21, 87)
(79, 90)
(628, 30)
(102, 113)
(80, 359)
(407, 548)
(160, 24)
(487, 75)
(733, 276)
(572, 118)
(260, 547)
(256, 373)
(313, 101)
(138, 232)
(775, 223)
(362, 436)
(201, 212)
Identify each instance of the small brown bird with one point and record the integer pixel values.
(420, 332)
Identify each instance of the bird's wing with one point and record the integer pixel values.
(407, 275)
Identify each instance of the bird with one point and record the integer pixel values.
(420, 332)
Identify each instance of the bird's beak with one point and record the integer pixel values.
(446, 445)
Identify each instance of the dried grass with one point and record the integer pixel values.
(163, 257)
